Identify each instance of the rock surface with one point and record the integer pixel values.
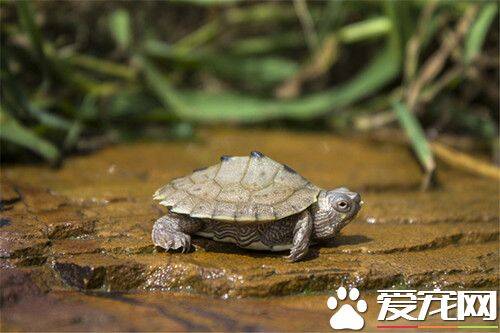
(80, 235)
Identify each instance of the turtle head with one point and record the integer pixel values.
(334, 210)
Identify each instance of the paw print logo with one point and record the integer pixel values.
(347, 317)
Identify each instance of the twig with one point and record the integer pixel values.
(415, 42)
(435, 64)
(322, 60)
(484, 60)
(383, 115)
(307, 23)
(464, 161)
(374, 121)
(448, 77)
(326, 54)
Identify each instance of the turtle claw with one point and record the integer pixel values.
(181, 241)
(298, 253)
(163, 236)
(185, 243)
(293, 257)
(176, 241)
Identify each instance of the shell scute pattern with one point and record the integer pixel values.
(231, 170)
(249, 188)
(208, 190)
(298, 197)
(291, 179)
(204, 175)
(265, 213)
(164, 192)
(234, 193)
(283, 209)
(224, 211)
(204, 209)
(174, 198)
(260, 173)
(184, 183)
(272, 194)
(245, 212)
(186, 205)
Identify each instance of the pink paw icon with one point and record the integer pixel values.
(347, 317)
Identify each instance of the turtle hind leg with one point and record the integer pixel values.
(172, 231)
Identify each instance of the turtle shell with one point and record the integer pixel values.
(240, 188)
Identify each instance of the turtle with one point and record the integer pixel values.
(254, 202)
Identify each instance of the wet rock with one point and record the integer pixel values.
(8, 195)
(372, 238)
(4, 221)
(56, 312)
(69, 228)
(21, 224)
(94, 271)
(179, 312)
(70, 246)
(90, 221)
(65, 311)
(16, 284)
(81, 237)
(40, 199)
(26, 252)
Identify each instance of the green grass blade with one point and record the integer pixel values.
(352, 33)
(266, 44)
(87, 110)
(416, 135)
(207, 3)
(201, 106)
(255, 71)
(206, 107)
(27, 21)
(199, 36)
(332, 16)
(162, 88)
(12, 131)
(477, 34)
(21, 103)
(402, 26)
(260, 13)
(370, 28)
(119, 24)
(381, 70)
(102, 66)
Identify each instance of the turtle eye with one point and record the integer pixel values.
(342, 205)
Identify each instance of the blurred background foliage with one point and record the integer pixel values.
(76, 75)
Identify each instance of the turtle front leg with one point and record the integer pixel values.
(172, 231)
(301, 236)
